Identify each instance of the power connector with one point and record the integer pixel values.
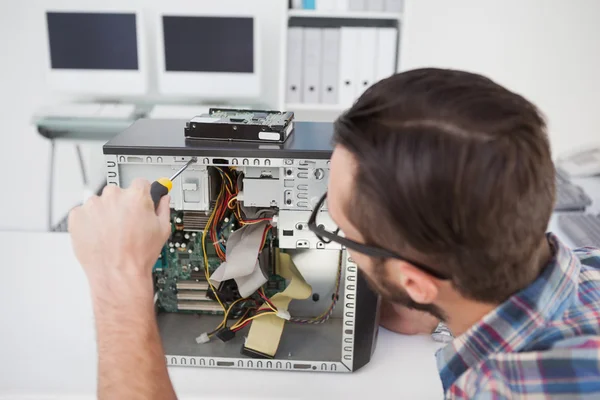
(203, 338)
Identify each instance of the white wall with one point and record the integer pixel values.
(548, 50)
(24, 153)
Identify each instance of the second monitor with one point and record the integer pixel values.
(208, 56)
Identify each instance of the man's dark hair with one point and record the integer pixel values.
(455, 171)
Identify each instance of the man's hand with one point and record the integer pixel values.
(403, 320)
(117, 237)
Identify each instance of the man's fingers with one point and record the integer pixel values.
(110, 190)
(140, 191)
(92, 201)
(73, 217)
(164, 213)
(140, 184)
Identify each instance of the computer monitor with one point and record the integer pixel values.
(95, 51)
(208, 56)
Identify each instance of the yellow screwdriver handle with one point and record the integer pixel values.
(159, 188)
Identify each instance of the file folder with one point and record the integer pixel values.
(394, 5)
(366, 51)
(342, 5)
(294, 65)
(312, 45)
(330, 66)
(326, 5)
(357, 5)
(375, 5)
(348, 56)
(385, 64)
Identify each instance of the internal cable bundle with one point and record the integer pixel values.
(227, 211)
(226, 215)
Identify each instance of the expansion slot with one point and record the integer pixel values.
(208, 306)
(192, 285)
(199, 295)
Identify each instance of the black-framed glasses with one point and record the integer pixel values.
(373, 251)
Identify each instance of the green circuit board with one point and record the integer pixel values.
(180, 277)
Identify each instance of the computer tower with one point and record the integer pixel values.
(287, 179)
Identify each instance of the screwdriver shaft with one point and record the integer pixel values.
(162, 186)
(192, 160)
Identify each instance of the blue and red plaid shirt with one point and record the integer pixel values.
(542, 343)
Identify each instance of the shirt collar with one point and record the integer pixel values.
(510, 326)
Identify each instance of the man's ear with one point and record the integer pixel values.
(420, 286)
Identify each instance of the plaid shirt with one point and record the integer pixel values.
(542, 343)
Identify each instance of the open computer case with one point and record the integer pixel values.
(286, 179)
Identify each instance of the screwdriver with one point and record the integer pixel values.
(162, 186)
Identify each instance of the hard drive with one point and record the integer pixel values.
(241, 125)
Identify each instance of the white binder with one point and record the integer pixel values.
(312, 45)
(348, 56)
(366, 51)
(297, 4)
(326, 5)
(385, 64)
(394, 5)
(294, 65)
(357, 5)
(342, 5)
(330, 61)
(375, 5)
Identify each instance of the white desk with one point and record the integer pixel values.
(47, 348)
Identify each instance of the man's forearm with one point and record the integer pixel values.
(131, 361)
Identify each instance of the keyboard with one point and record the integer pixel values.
(569, 197)
(582, 229)
(185, 111)
(119, 111)
(177, 111)
(90, 110)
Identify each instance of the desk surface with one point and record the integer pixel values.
(47, 348)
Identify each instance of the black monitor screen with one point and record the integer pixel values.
(92, 41)
(209, 44)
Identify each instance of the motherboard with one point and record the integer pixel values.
(180, 273)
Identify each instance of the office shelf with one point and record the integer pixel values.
(344, 14)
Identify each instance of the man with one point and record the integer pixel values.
(444, 183)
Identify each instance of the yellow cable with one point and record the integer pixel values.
(240, 219)
(270, 306)
(265, 302)
(240, 323)
(224, 321)
(229, 202)
(206, 270)
(227, 176)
